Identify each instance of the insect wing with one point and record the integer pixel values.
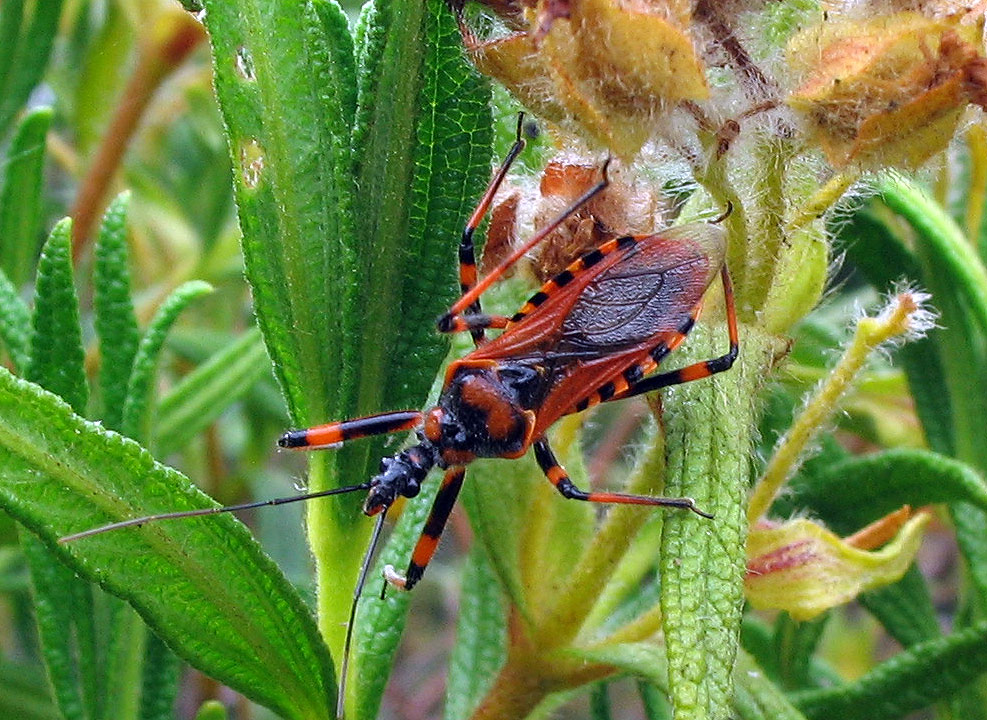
(588, 329)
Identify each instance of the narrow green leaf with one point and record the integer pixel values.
(20, 195)
(159, 686)
(970, 521)
(641, 659)
(23, 60)
(56, 340)
(708, 426)
(11, 18)
(656, 707)
(135, 419)
(957, 279)
(599, 702)
(277, 70)
(380, 623)
(481, 637)
(756, 697)
(914, 679)
(420, 167)
(15, 324)
(63, 602)
(63, 609)
(98, 81)
(24, 693)
(850, 494)
(905, 609)
(280, 66)
(203, 585)
(205, 393)
(795, 644)
(116, 322)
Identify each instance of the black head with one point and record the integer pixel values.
(400, 475)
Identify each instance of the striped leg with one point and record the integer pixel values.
(335, 434)
(464, 304)
(635, 380)
(467, 254)
(701, 369)
(557, 475)
(429, 540)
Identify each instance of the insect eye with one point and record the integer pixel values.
(411, 488)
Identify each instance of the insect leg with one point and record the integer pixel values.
(475, 323)
(467, 254)
(336, 433)
(429, 540)
(698, 370)
(468, 298)
(557, 475)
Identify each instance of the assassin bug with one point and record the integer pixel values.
(593, 333)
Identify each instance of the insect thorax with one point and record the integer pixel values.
(483, 412)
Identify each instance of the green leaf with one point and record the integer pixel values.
(970, 521)
(116, 323)
(380, 623)
(795, 643)
(276, 70)
(98, 81)
(957, 279)
(24, 51)
(280, 66)
(203, 585)
(756, 697)
(481, 637)
(24, 693)
(656, 707)
(159, 686)
(708, 427)
(884, 259)
(905, 609)
(135, 419)
(20, 195)
(63, 603)
(914, 679)
(205, 393)
(15, 323)
(599, 702)
(57, 357)
(850, 494)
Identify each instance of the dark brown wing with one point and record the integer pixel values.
(587, 329)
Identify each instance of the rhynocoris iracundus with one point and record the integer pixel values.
(593, 333)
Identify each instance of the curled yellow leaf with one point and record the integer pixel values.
(803, 568)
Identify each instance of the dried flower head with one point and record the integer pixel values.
(887, 91)
(600, 69)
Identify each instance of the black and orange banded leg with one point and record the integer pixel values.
(557, 475)
(702, 369)
(336, 433)
(467, 253)
(445, 500)
(464, 305)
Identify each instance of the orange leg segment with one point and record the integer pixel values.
(557, 475)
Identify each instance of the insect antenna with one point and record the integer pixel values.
(357, 592)
(210, 511)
